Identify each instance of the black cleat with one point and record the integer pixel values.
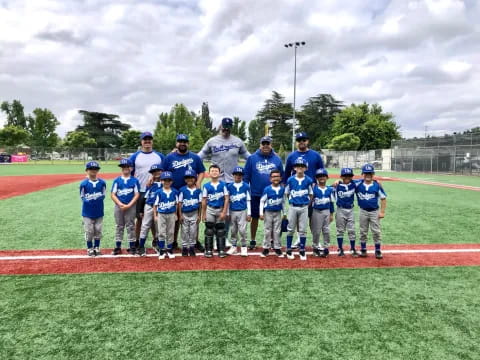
(199, 246)
(316, 252)
(324, 253)
(378, 254)
(141, 251)
(191, 251)
(265, 252)
(97, 251)
(253, 245)
(341, 252)
(353, 252)
(279, 253)
(117, 251)
(184, 251)
(208, 254)
(132, 251)
(363, 253)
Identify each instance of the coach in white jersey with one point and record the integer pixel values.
(142, 160)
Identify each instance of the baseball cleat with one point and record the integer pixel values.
(184, 251)
(353, 252)
(378, 254)
(162, 255)
(97, 251)
(279, 253)
(363, 253)
(91, 252)
(303, 255)
(296, 245)
(290, 255)
(117, 251)
(208, 254)
(324, 253)
(341, 252)
(170, 254)
(253, 245)
(191, 252)
(222, 254)
(264, 253)
(141, 251)
(232, 250)
(244, 251)
(316, 252)
(132, 251)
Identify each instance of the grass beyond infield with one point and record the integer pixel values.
(410, 313)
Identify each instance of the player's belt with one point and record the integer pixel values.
(345, 207)
(321, 209)
(272, 210)
(299, 205)
(370, 209)
(215, 207)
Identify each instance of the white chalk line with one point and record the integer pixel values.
(109, 256)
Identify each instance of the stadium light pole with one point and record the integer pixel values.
(295, 45)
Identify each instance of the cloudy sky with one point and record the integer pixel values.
(418, 59)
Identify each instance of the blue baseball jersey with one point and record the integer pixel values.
(239, 196)
(345, 194)
(151, 193)
(177, 164)
(272, 199)
(323, 198)
(166, 200)
(368, 194)
(313, 159)
(298, 190)
(215, 194)
(92, 194)
(190, 198)
(125, 188)
(258, 168)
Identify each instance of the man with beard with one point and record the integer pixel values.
(177, 163)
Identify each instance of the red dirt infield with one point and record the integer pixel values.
(21, 262)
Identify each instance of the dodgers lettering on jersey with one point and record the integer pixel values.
(272, 199)
(368, 194)
(177, 164)
(142, 161)
(190, 199)
(215, 194)
(257, 171)
(323, 198)
(313, 159)
(150, 195)
(92, 194)
(298, 190)
(166, 201)
(125, 188)
(239, 196)
(345, 194)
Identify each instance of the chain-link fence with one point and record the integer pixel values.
(380, 159)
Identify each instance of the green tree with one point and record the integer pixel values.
(164, 134)
(196, 137)
(15, 113)
(344, 142)
(239, 128)
(130, 139)
(42, 126)
(12, 135)
(79, 139)
(256, 129)
(106, 129)
(208, 129)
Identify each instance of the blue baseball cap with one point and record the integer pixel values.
(237, 170)
(145, 135)
(92, 165)
(301, 135)
(182, 137)
(346, 171)
(227, 123)
(321, 172)
(300, 161)
(155, 167)
(190, 173)
(368, 169)
(266, 139)
(166, 175)
(125, 163)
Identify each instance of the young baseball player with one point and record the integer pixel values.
(368, 192)
(189, 212)
(92, 193)
(322, 214)
(271, 211)
(125, 193)
(215, 201)
(165, 214)
(148, 212)
(240, 211)
(299, 192)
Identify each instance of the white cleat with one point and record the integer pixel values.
(170, 254)
(244, 251)
(303, 255)
(232, 250)
(290, 255)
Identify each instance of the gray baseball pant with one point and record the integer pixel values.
(189, 228)
(370, 218)
(345, 220)
(297, 215)
(238, 226)
(272, 227)
(93, 228)
(124, 219)
(166, 227)
(147, 221)
(321, 225)
(213, 215)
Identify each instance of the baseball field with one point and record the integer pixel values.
(420, 302)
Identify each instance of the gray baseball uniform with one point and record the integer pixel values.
(321, 225)
(238, 226)
(370, 218)
(272, 227)
(213, 215)
(297, 216)
(124, 219)
(345, 220)
(189, 228)
(147, 220)
(166, 227)
(93, 228)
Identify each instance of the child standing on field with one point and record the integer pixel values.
(92, 193)
(190, 212)
(125, 193)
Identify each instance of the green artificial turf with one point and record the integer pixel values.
(410, 313)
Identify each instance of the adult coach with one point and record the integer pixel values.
(142, 160)
(313, 158)
(257, 175)
(177, 163)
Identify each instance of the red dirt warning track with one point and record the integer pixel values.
(76, 262)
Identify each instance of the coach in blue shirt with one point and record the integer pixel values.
(313, 158)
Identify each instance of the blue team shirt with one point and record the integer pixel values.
(166, 202)
(125, 188)
(272, 199)
(177, 164)
(215, 194)
(345, 194)
(92, 194)
(298, 191)
(258, 168)
(239, 195)
(190, 199)
(368, 195)
(323, 198)
(151, 193)
(313, 159)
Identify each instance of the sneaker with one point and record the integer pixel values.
(91, 252)
(316, 252)
(253, 245)
(232, 250)
(132, 251)
(191, 252)
(341, 252)
(378, 254)
(141, 251)
(325, 253)
(116, 251)
(243, 251)
(97, 251)
(264, 252)
(208, 254)
(303, 255)
(363, 253)
(290, 255)
(162, 255)
(184, 251)
(353, 252)
(222, 254)
(170, 254)
(279, 253)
